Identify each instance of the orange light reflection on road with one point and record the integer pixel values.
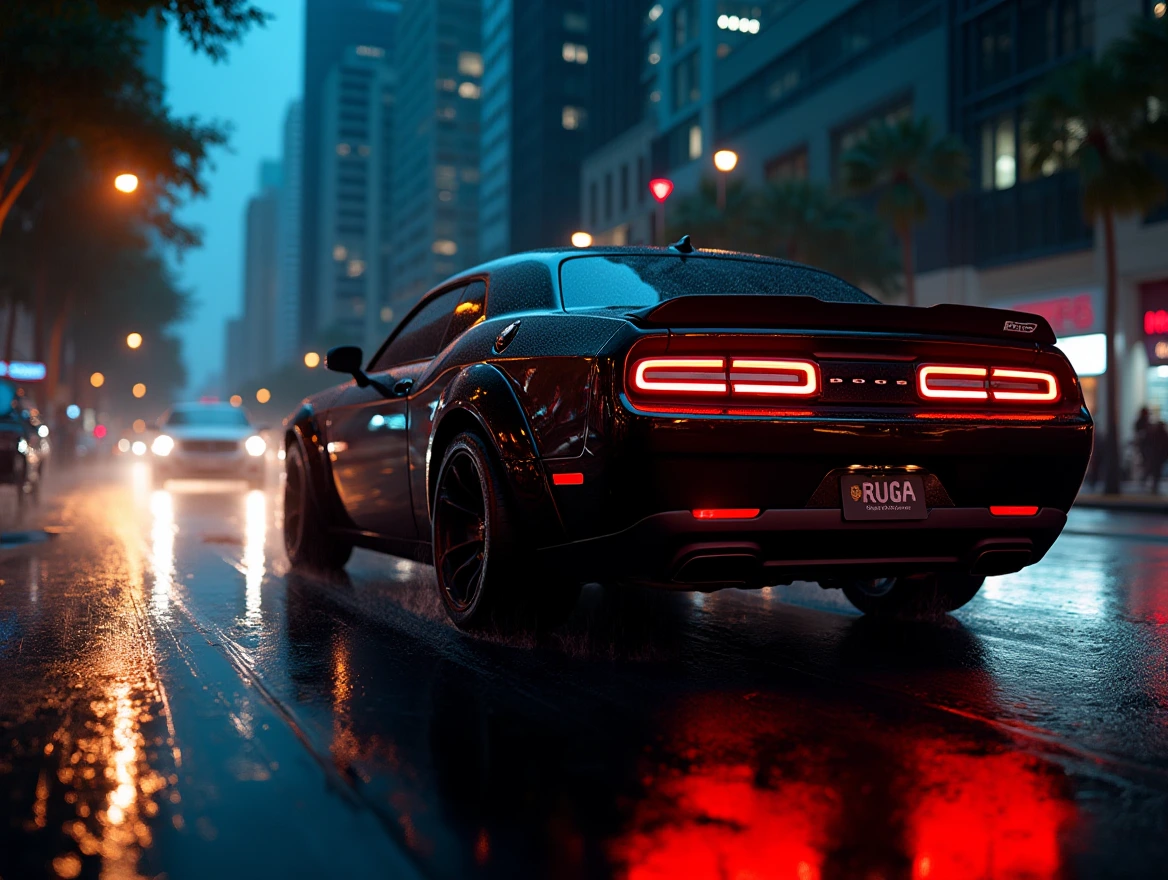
(162, 549)
(254, 533)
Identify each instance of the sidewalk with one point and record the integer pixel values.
(1135, 497)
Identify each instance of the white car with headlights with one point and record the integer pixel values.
(208, 441)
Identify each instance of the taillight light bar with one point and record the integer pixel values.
(681, 375)
(758, 377)
(1006, 385)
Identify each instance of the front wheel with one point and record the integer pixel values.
(306, 537)
(484, 570)
(915, 594)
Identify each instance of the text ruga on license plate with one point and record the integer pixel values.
(883, 496)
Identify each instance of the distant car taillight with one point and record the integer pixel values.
(751, 378)
(1001, 384)
(680, 375)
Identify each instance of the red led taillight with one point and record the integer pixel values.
(680, 375)
(952, 383)
(1000, 384)
(727, 513)
(771, 376)
(1033, 385)
(1013, 510)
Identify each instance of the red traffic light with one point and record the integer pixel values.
(661, 188)
(99, 432)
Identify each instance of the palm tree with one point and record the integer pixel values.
(1092, 116)
(899, 161)
(697, 214)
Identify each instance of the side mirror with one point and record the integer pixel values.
(347, 359)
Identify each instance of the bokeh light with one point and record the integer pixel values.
(139, 390)
(134, 340)
(236, 400)
(312, 360)
(263, 395)
(97, 380)
(139, 426)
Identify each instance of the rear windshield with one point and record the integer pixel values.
(646, 280)
(211, 417)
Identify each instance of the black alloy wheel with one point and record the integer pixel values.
(914, 594)
(306, 537)
(486, 573)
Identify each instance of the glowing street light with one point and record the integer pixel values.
(263, 395)
(581, 239)
(312, 360)
(725, 161)
(126, 183)
(661, 188)
(97, 380)
(236, 400)
(139, 390)
(134, 340)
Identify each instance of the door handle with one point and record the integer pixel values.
(402, 387)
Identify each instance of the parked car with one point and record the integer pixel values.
(208, 441)
(690, 420)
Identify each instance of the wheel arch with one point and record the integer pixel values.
(303, 430)
(480, 399)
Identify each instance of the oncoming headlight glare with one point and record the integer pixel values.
(255, 445)
(163, 445)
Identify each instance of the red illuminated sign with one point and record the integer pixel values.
(1154, 307)
(1068, 315)
(661, 188)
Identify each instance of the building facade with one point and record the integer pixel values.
(791, 84)
(436, 145)
(331, 28)
(286, 346)
(260, 262)
(560, 81)
(355, 187)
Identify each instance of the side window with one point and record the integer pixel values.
(470, 310)
(422, 335)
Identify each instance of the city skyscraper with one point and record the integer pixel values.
(353, 248)
(436, 164)
(260, 301)
(560, 79)
(331, 27)
(286, 346)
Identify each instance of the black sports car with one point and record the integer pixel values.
(692, 420)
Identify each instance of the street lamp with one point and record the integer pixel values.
(661, 188)
(139, 390)
(581, 239)
(725, 161)
(97, 380)
(263, 395)
(236, 400)
(312, 360)
(126, 183)
(134, 340)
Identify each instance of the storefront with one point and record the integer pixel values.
(1154, 308)
(1077, 318)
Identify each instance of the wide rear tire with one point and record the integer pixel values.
(915, 595)
(486, 574)
(306, 537)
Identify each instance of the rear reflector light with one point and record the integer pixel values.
(726, 513)
(681, 375)
(772, 376)
(1013, 511)
(1032, 385)
(568, 479)
(952, 383)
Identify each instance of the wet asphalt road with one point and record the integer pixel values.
(173, 700)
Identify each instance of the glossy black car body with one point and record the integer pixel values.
(603, 482)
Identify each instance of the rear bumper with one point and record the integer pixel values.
(675, 550)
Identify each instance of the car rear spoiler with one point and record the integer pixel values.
(808, 313)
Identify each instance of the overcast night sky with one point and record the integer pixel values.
(251, 91)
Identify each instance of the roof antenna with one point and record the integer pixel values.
(683, 246)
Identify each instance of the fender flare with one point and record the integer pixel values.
(481, 396)
(303, 428)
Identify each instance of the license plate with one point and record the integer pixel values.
(883, 496)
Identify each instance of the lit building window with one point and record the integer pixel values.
(1159, 9)
(386, 314)
(999, 157)
(470, 63)
(363, 150)
(356, 268)
(371, 51)
(655, 12)
(470, 175)
(469, 90)
(695, 142)
(446, 113)
(575, 53)
(573, 118)
(343, 149)
(655, 96)
(444, 247)
(340, 253)
(445, 196)
(447, 85)
(655, 50)
(742, 25)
